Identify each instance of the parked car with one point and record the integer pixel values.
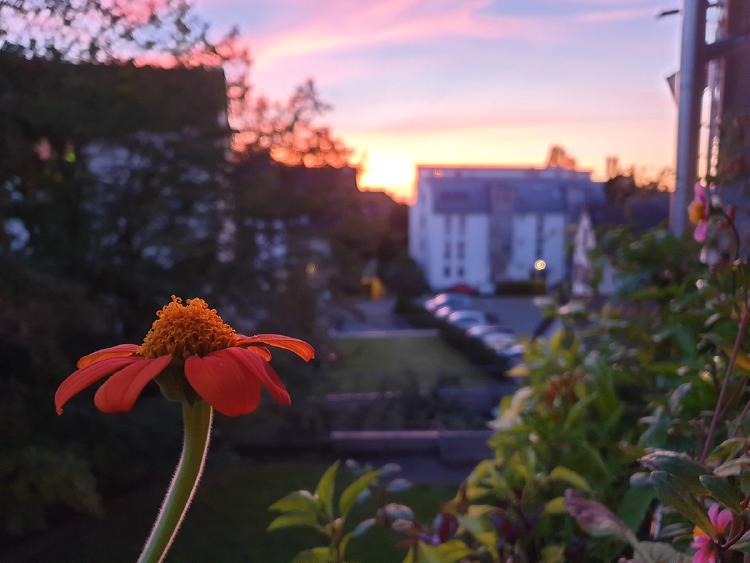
(442, 313)
(499, 341)
(478, 331)
(467, 318)
(463, 288)
(454, 300)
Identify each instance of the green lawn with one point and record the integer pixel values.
(375, 364)
(226, 522)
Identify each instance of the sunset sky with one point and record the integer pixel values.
(472, 81)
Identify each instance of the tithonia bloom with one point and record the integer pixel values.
(698, 213)
(188, 341)
(702, 542)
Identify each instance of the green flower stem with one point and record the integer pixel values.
(197, 424)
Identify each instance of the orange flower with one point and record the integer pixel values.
(190, 343)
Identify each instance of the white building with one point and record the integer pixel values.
(485, 225)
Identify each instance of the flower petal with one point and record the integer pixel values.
(261, 351)
(299, 347)
(701, 231)
(262, 371)
(723, 520)
(84, 377)
(119, 392)
(223, 383)
(119, 351)
(713, 512)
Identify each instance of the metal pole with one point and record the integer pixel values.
(692, 81)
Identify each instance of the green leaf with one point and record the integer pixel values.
(553, 554)
(745, 483)
(315, 555)
(674, 531)
(634, 506)
(578, 410)
(449, 552)
(293, 519)
(680, 466)
(733, 467)
(678, 395)
(656, 552)
(741, 546)
(481, 528)
(595, 518)
(723, 491)
(729, 448)
(324, 490)
(672, 493)
(655, 436)
(350, 494)
(555, 506)
(298, 501)
(362, 527)
(561, 473)
(343, 544)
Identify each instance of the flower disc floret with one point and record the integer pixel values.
(187, 330)
(696, 212)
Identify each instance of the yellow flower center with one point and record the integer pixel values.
(696, 212)
(187, 330)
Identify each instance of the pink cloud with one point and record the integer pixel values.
(333, 27)
(606, 16)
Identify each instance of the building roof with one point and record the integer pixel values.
(530, 194)
(460, 195)
(488, 172)
(539, 196)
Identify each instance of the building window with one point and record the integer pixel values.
(447, 272)
(460, 250)
(539, 236)
(460, 272)
(462, 224)
(447, 250)
(448, 224)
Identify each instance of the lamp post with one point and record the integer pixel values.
(691, 85)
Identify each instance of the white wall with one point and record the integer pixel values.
(428, 237)
(523, 247)
(553, 252)
(473, 268)
(524, 251)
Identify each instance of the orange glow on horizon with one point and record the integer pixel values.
(390, 160)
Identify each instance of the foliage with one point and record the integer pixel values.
(317, 510)
(629, 385)
(120, 190)
(733, 164)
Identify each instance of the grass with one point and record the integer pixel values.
(375, 364)
(226, 522)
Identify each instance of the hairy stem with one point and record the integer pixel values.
(197, 423)
(720, 401)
